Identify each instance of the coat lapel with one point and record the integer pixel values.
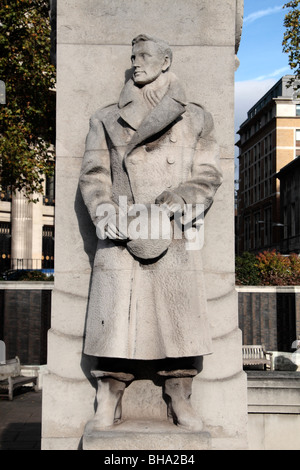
(144, 123)
(114, 129)
(166, 112)
(148, 122)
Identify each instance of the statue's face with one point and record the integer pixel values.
(148, 62)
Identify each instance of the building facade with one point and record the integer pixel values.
(269, 140)
(27, 230)
(289, 177)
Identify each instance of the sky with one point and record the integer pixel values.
(262, 62)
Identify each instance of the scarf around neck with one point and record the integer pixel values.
(135, 103)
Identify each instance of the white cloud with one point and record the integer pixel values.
(276, 73)
(261, 13)
(247, 93)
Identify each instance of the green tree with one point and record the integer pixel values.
(246, 270)
(27, 121)
(291, 36)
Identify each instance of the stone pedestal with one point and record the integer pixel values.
(93, 51)
(145, 435)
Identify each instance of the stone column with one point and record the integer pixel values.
(26, 227)
(93, 51)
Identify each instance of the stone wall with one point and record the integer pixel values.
(25, 320)
(270, 316)
(274, 410)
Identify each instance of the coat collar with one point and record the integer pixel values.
(148, 120)
(145, 121)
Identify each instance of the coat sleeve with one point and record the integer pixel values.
(95, 177)
(206, 175)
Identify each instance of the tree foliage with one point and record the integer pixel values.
(246, 270)
(291, 36)
(27, 121)
(268, 268)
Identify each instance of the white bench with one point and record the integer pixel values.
(11, 378)
(256, 355)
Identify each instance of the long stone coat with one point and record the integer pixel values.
(148, 310)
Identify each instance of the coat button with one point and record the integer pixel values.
(171, 160)
(173, 139)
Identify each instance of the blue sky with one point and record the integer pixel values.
(262, 62)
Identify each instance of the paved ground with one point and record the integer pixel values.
(20, 421)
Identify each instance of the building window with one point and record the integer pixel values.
(268, 226)
(247, 239)
(266, 145)
(285, 223)
(49, 198)
(297, 137)
(257, 226)
(297, 109)
(48, 247)
(5, 246)
(293, 220)
(5, 195)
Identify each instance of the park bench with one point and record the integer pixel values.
(256, 355)
(11, 378)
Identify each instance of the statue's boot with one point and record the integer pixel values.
(111, 386)
(178, 391)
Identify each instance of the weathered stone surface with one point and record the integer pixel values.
(93, 51)
(67, 406)
(114, 22)
(145, 435)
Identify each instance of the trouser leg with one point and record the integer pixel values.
(111, 386)
(178, 391)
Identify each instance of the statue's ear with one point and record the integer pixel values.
(166, 64)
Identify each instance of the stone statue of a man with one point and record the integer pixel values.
(147, 305)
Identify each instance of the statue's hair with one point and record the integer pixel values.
(163, 46)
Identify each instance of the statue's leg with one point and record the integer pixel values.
(178, 391)
(111, 386)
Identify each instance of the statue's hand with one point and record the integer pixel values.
(113, 231)
(171, 201)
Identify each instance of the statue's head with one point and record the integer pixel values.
(150, 57)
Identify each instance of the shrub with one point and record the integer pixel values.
(278, 270)
(247, 273)
(268, 268)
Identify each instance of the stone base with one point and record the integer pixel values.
(144, 435)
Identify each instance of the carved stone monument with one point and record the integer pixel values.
(144, 307)
(147, 299)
